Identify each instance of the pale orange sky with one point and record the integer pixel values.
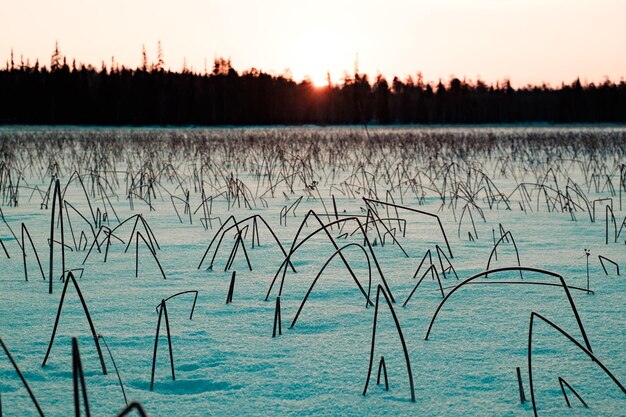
(529, 41)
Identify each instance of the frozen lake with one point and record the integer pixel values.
(322, 218)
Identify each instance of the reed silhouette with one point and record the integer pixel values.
(584, 349)
(380, 290)
(70, 279)
(564, 384)
(162, 312)
(78, 378)
(21, 376)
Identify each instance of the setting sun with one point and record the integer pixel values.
(319, 82)
(320, 54)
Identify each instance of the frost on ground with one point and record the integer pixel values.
(333, 221)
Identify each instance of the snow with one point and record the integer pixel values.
(225, 358)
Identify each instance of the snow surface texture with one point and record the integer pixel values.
(225, 359)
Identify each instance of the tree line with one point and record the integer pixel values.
(63, 93)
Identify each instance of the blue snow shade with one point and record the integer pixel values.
(284, 271)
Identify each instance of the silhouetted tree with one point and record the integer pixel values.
(381, 94)
(81, 94)
(144, 58)
(55, 59)
(160, 62)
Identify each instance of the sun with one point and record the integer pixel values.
(318, 57)
(319, 81)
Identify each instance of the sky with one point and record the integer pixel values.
(527, 41)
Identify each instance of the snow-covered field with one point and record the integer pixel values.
(382, 195)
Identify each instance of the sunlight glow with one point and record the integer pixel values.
(316, 56)
(528, 41)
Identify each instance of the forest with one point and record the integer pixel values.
(77, 94)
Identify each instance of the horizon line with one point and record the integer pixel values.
(416, 77)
